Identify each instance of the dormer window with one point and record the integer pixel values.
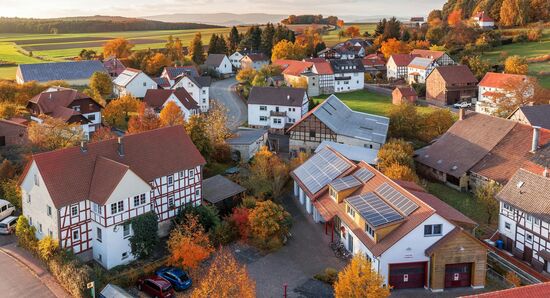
(350, 211)
(369, 230)
(76, 108)
(333, 193)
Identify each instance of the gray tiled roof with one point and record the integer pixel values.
(277, 96)
(344, 121)
(246, 136)
(214, 59)
(347, 65)
(219, 188)
(538, 115)
(53, 71)
(528, 192)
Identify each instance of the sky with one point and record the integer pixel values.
(139, 8)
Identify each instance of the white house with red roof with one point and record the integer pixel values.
(419, 69)
(133, 82)
(483, 20)
(85, 197)
(159, 98)
(413, 239)
(496, 86)
(397, 66)
(316, 72)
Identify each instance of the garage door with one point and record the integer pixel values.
(408, 275)
(458, 275)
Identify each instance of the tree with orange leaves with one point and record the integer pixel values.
(145, 120)
(454, 17)
(394, 46)
(352, 31)
(340, 23)
(102, 134)
(360, 279)
(225, 278)
(171, 115)
(189, 244)
(119, 48)
(156, 63)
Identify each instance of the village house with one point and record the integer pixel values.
(495, 86)
(69, 105)
(86, 197)
(220, 64)
(333, 121)
(411, 238)
(482, 20)
(415, 22)
(397, 66)
(419, 69)
(197, 87)
(254, 61)
(316, 73)
(75, 73)
(478, 149)
(113, 66)
(349, 75)
(450, 84)
(276, 108)
(350, 49)
(159, 98)
(172, 73)
(375, 65)
(236, 57)
(537, 115)
(404, 94)
(133, 82)
(351, 152)
(12, 133)
(440, 57)
(246, 142)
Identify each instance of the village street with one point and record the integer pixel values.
(223, 91)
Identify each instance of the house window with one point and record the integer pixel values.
(191, 173)
(50, 233)
(142, 198)
(529, 238)
(333, 193)
(136, 201)
(369, 230)
(537, 221)
(263, 118)
(529, 218)
(76, 108)
(197, 192)
(144, 84)
(263, 108)
(91, 117)
(171, 201)
(124, 255)
(277, 121)
(126, 230)
(30, 220)
(2, 141)
(40, 228)
(99, 235)
(507, 226)
(350, 211)
(76, 235)
(432, 230)
(113, 208)
(49, 210)
(74, 210)
(36, 182)
(170, 180)
(28, 198)
(120, 206)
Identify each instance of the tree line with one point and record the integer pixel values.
(310, 19)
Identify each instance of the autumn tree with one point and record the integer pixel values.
(516, 65)
(10, 109)
(434, 124)
(288, 50)
(395, 151)
(117, 112)
(119, 48)
(352, 31)
(404, 121)
(514, 12)
(246, 75)
(156, 63)
(189, 244)
(102, 134)
(269, 222)
(171, 115)
(225, 278)
(298, 160)
(146, 119)
(540, 10)
(268, 174)
(360, 279)
(196, 129)
(518, 93)
(101, 82)
(394, 46)
(401, 172)
(240, 218)
(477, 65)
(196, 50)
(454, 17)
(485, 195)
(216, 123)
(54, 133)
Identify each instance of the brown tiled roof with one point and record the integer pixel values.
(323, 67)
(257, 57)
(156, 98)
(509, 154)
(403, 59)
(465, 143)
(428, 53)
(279, 96)
(68, 173)
(406, 91)
(214, 59)
(47, 102)
(540, 290)
(442, 208)
(529, 192)
(500, 80)
(106, 176)
(456, 74)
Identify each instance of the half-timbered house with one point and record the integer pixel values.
(85, 197)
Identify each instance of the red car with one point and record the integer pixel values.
(155, 286)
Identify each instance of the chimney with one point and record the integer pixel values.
(536, 136)
(83, 146)
(120, 147)
(461, 114)
(546, 173)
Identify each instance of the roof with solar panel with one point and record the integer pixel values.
(345, 183)
(373, 209)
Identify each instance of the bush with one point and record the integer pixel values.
(145, 237)
(207, 214)
(47, 248)
(534, 34)
(222, 153)
(26, 234)
(329, 276)
(225, 233)
(71, 273)
(249, 202)
(521, 37)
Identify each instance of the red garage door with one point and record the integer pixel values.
(408, 275)
(458, 275)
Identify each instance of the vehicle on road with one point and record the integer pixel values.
(155, 286)
(462, 105)
(179, 279)
(7, 225)
(6, 209)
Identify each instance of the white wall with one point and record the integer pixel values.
(293, 114)
(225, 67)
(356, 82)
(186, 113)
(200, 95)
(137, 87)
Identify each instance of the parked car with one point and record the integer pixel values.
(462, 105)
(7, 225)
(179, 279)
(6, 209)
(155, 286)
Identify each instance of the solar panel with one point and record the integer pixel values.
(321, 169)
(397, 199)
(345, 183)
(363, 175)
(373, 209)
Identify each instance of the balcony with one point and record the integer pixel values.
(277, 114)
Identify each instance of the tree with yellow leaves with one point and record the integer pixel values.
(269, 222)
(285, 49)
(54, 133)
(516, 65)
(400, 172)
(394, 46)
(118, 47)
(268, 174)
(189, 244)
(156, 63)
(225, 278)
(171, 115)
(216, 123)
(117, 112)
(359, 279)
(146, 119)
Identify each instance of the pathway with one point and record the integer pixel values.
(224, 92)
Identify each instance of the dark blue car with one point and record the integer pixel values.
(179, 279)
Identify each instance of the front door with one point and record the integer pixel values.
(350, 243)
(458, 275)
(527, 254)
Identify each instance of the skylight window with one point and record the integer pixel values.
(520, 184)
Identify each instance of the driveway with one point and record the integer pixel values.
(223, 91)
(306, 254)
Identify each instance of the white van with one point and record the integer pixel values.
(6, 209)
(7, 226)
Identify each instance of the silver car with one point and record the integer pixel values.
(7, 226)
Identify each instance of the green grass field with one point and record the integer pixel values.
(368, 102)
(528, 50)
(332, 37)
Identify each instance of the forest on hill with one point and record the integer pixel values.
(310, 19)
(89, 25)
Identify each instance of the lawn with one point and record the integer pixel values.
(8, 72)
(332, 37)
(368, 102)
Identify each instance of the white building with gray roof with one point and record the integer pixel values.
(75, 73)
(246, 142)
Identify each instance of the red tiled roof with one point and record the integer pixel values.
(442, 208)
(403, 59)
(500, 80)
(406, 91)
(541, 290)
(323, 67)
(69, 173)
(156, 98)
(428, 53)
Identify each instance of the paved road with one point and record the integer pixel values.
(17, 281)
(223, 92)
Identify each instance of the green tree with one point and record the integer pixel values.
(234, 39)
(196, 129)
(404, 121)
(485, 195)
(207, 216)
(196, 49)
(102, 83)
(145, 238)
(269, 221)
(267, 39)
